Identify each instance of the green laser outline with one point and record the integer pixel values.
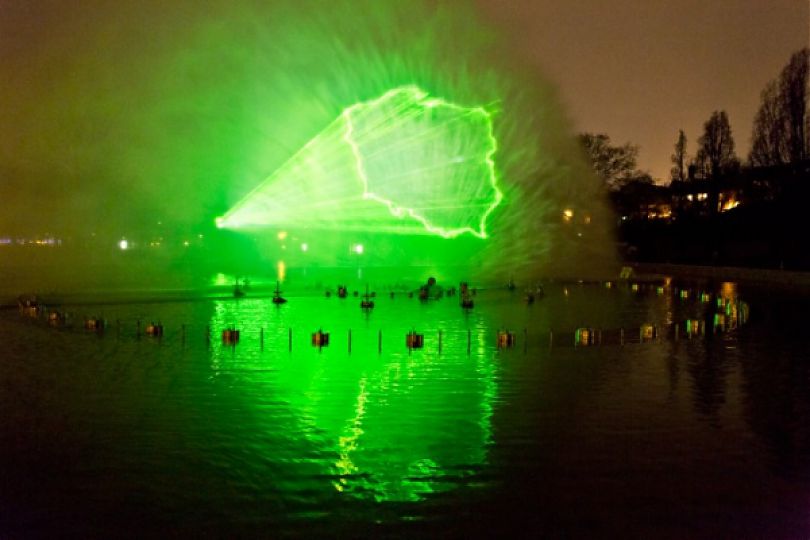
(397, 210)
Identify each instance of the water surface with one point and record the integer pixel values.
(122, 434)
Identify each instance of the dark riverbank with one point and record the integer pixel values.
(758, 276)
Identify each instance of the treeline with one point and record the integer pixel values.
(779, 137)
(720, 209)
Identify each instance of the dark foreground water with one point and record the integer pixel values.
(699, 436)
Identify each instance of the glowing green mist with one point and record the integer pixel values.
(153, 138)
(428, 161)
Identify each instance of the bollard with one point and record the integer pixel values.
(585, 337)
(320, 339)
(505, 339)
(647, 332)
(230, 336)
(414, 341)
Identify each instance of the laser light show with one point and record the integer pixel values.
(404, 163)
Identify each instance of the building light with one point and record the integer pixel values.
(123, 245)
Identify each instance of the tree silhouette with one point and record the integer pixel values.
(781, 125)
(616, 165)
(716, 146)
(679, 159)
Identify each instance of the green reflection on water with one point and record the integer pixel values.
(393, 426)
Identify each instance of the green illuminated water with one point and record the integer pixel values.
(702, 436)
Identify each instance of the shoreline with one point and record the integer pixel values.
(754, 276)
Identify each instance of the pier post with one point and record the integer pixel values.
(379, 342)
(469, 341)
(290, 340)
(350, 341)
(261, 338)
(440, 342)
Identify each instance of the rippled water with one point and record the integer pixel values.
(126, 435)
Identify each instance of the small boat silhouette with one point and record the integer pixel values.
(277, 298)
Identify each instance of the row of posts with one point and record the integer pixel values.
(505, 339)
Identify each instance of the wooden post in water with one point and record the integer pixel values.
(440, 342)
(350, 341)
(379, 342)
(469, 340)
(261, 338)
(290, 340)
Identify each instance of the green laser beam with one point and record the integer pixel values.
(427, 162)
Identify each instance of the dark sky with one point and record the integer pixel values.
(639, 70)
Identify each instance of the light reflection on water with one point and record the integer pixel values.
(397, 425)
(684, 436)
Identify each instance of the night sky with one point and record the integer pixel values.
(641, 70)
(96, 95)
